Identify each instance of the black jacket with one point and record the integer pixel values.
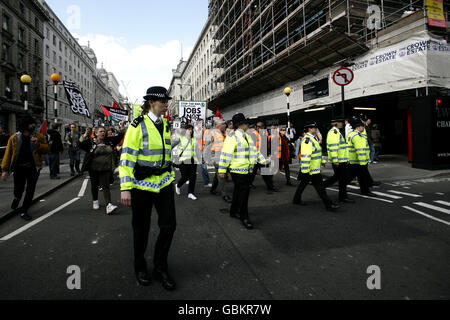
(55, 141)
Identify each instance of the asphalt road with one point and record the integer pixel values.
(295, 252)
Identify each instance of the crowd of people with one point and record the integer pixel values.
(149, 150)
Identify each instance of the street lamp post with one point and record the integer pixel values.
(288, 92)
(26, 80)
(56, 78)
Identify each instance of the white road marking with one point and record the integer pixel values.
(363, 196)
(430, 206)
(386, 195)
(40, 219)
(427, 215)
(406, 194)
(83, 188)
(352, 187)
(439, 193)
(443, 202)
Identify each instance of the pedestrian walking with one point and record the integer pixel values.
(56, 148)
(4, 137)
(376, 137)
(239, 154)
(23, 156)
(146, 180)
(337, 149)
(259, 135)
(199, 134)
(216, 143)
(359, 157)
(311, 161)
(73, 141)
(298, 143)
(284, 156)
(291, 132)
(99, 162)
(188, 165)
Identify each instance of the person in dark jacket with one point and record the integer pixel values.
(285, 156)
(99, 161)
(56, 147)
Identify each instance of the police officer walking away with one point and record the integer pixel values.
(239, 154)
(311, 160)
(146, 178)
(359, 157)
(338, 156)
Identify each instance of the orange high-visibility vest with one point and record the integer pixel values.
(199, 139)
(258, 141)
(205, 135)
(218, 139)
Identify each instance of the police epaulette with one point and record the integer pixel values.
(307, 140)
(335, 131)
(137, 121)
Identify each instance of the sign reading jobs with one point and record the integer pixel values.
(192, 111)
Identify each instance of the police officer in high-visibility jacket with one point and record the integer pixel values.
(359, 157)
(337, 149)
(146, 178)
(311, 160)
(239, 154)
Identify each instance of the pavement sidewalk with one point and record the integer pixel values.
(44, 187)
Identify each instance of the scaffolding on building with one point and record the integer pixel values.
(263, 44)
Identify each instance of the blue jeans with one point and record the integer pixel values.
(204, 170)
(53, 159)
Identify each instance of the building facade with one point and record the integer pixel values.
(175, 88)
(397, 55)
(65, 56)
(21, 40)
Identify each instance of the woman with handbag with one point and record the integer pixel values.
(99, 162)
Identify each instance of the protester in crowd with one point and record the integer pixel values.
(23, 156)
(298, 144)
(284, 156)
(230, 127)
(376, 138)
(199, 135)
(291, 133)
(259, 135)
(216, 143)
(56, 148)
(4, 137)
(73, 141)
(188, 166)
(348, 128)
(99, 162)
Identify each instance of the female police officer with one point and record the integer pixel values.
(146, 178)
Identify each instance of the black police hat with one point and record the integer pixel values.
(338, 120)
(363, 117)
(157, 93)
(356, 122)
(310, 125)
(239, 119)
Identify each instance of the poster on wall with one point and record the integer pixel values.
(192, 111)
(435, 12)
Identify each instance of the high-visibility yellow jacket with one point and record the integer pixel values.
(144, 145)
(239, 154)
(358, 148)
(337, 147)
(311, 155)
(186, 150)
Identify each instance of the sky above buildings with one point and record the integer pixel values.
(139, 41)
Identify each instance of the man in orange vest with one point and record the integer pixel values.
(215, 144)
(256, 135)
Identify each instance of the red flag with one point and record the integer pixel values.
(116, 105)
(167, 115)
(218, 114)
(44, 128)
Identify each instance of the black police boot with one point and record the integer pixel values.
(332, 207)
(163, 276)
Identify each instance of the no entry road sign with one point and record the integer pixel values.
(343, 76)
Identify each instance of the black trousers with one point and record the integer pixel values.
(317, 182)
(341, 176)
(188, 172)
(363, 175)
(141, 205)
(287, 172)
(268, 180)
(241, 193)
(100, 179)
(25, 176)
